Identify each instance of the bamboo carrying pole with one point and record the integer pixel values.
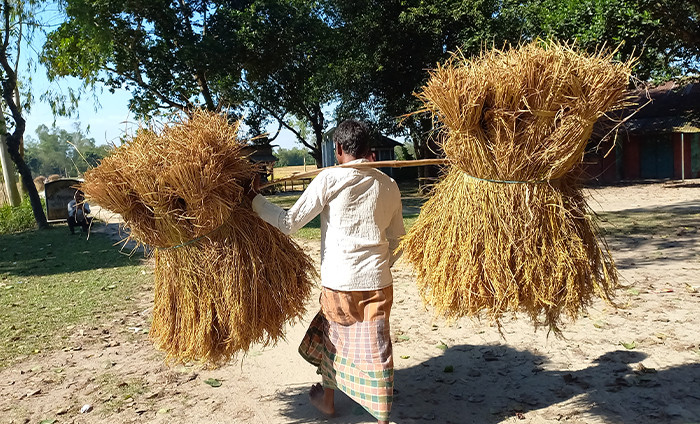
(362, 165)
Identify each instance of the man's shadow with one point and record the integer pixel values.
(491, 384)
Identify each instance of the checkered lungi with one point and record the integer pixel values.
(350, 343)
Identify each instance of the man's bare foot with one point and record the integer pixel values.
(322, 399)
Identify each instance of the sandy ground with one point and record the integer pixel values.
(523, 377)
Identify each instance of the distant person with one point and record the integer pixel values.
(78, 211)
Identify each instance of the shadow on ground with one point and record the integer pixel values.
(669, 232)
(56, 251)
(490, 384)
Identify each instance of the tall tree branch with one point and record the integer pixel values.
(138, 79)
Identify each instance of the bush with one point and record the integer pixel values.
(16, 219)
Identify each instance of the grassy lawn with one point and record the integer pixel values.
(50, 280)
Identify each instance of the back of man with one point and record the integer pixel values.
(360, 228)
(349, 340)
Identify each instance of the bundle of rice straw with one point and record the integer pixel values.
(224, 278)
(507, 229)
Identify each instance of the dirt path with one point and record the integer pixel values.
(589, 377)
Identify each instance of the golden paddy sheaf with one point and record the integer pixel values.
(507, 228)
(224, 278)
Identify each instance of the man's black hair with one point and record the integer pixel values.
(353, 136)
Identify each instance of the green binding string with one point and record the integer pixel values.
(510, 182)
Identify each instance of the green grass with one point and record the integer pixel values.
(120, 391)
(15, 219)
(50, 279)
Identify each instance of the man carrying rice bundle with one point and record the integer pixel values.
(349, 340)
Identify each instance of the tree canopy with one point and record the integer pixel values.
(292, 157)
(57, 151)
(290, 61)
(165, 52)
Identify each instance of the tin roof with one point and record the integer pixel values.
(668, 108)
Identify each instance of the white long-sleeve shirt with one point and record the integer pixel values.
(361, 223)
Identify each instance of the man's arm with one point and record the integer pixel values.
(394, 233)
(310, 204)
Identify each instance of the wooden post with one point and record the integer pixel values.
(682, 157)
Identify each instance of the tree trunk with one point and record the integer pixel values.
(317, 153)
(8, 174)
(318, 157)
(317, 123)
(27, 180)
(8, 171)
(13, 142)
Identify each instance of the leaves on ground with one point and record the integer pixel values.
(630, 345)
(213, 382)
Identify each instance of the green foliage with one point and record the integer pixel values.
(292, 68)
(275, 57)
(16, 219)
(293, 61)
(169, 54)
(621, 23)
(405, 152)
(19, 24)
(679, 29)
(57, 151)
(388, 45)
(292, 157)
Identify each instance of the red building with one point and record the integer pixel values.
(661, 140)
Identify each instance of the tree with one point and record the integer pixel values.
(15, 19)
(679, 20)
(57, 151)
(8, 169)
(269, 55)
(163, 51)
(390, 45)
(292, 157)
(291, 66)
(624, 24)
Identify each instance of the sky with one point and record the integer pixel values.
(102, 115)
(105, 121)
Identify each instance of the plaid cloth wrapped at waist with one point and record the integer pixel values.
(350, 343)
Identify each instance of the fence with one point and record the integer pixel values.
(292, 185)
